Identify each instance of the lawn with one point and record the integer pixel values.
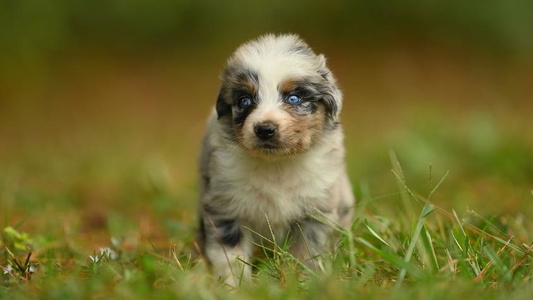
(98, 182)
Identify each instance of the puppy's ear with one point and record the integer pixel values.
(223, 108)
(333, 97)
(321, 61)
(333, 102)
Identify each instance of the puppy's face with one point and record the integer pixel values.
(277, 97)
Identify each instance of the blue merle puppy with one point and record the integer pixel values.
(272, 158)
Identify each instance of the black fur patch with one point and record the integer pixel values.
(223, 108)
(202, 236)
(307, 91)
(241, 113)
(206, 179)
(229, 232)
(331, 104)
(248, 75)
(238, 75)
(241, 116)
(315, 90)
(237, 82)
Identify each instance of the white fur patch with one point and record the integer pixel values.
(282, 190)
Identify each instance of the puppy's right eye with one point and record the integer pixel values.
(244, 102)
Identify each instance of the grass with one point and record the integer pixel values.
(56, 244)
(98, 184)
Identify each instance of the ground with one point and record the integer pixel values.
(98, 180)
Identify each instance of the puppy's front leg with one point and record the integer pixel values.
(309, 238)
(226, 249)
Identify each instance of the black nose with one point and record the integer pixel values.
(265, 131)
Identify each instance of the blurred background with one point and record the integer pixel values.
(103, 104)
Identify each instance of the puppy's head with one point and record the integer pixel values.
(277, 97)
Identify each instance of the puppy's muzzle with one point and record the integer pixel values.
(265, 131)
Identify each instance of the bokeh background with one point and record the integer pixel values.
(103, 104)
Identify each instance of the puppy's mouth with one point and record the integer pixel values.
(267, 146)
(269, 149)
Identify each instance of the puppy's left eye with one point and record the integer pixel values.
(293, 99)
(245, 102)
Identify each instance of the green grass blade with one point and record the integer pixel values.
(428, 208)
(391, 257)
(429, 249)
(438, 185)
(375, 234)
(504, 271)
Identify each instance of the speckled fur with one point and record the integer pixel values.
(247, 190)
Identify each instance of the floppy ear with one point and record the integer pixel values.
(333, 102)
(333, 96)
(223, 108)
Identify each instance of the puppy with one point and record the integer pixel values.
(272, 161)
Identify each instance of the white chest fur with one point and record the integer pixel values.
(281, 191)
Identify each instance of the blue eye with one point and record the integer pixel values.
(245, 102)
(293, 99)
